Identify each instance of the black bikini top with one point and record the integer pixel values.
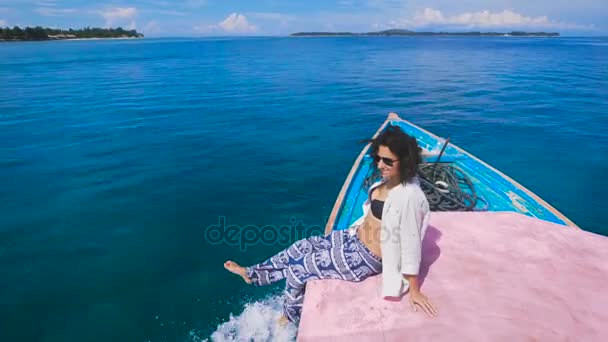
(377, 206)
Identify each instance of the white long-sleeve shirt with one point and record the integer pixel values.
(405, 218)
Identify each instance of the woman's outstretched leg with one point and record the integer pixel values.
(273, 269)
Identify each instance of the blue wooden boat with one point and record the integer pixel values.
(492, 189)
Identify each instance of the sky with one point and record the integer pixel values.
(182, 18)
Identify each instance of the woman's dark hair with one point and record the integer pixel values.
(404, 146)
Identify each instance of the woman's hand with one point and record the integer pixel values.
(416, 299)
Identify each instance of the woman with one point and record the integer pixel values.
(387, 239)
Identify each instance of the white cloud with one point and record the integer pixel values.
(54, 12)
(3, 23)
(120, 16)
(235, 23)
(480, 19)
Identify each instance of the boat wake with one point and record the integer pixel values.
(258, 322)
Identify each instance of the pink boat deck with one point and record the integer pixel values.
(493, 277)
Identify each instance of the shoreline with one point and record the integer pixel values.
(433, 35)
(63, 39)
(423, 35)
(408, 33)
(99, 38)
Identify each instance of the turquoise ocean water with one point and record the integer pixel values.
(115, 156)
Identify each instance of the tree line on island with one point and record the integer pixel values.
(400, 32)
(42, 33)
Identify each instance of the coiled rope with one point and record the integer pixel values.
(447, 187)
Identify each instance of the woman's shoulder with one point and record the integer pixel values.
(376, 185)
(408, 191)
(413, 185)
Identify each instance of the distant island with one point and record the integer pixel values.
(399, 32)
(39, 33)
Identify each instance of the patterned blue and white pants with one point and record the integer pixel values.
(336, 256)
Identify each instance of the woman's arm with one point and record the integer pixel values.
(412, 229)
(416, 298)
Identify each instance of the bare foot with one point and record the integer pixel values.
(237, 269)
(283, 321)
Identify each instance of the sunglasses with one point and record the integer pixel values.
(387, 161)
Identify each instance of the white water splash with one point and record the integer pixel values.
(258, 322)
